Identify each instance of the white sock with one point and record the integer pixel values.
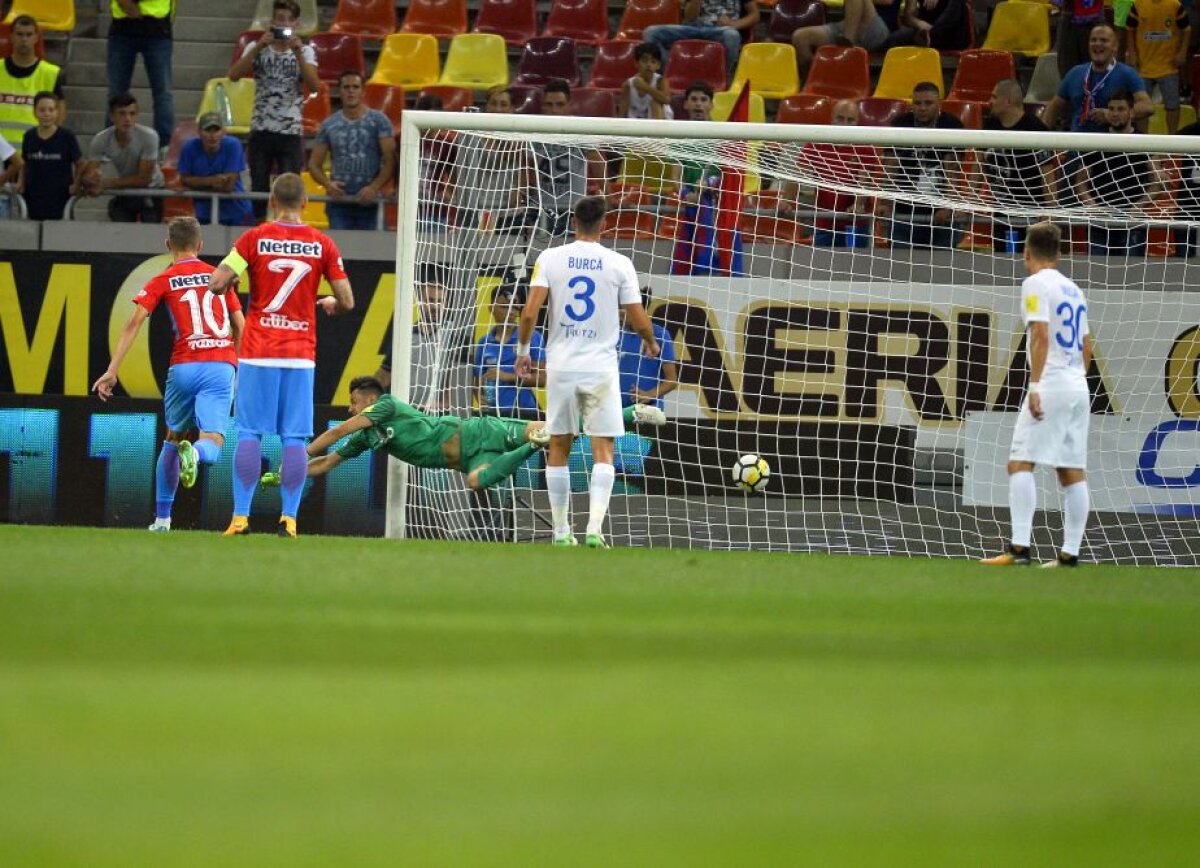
(1022, 501)
(1075, 513)
(601, 490)
(558, 484)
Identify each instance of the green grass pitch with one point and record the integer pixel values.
(192, 700)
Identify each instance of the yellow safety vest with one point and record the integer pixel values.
(150, 8)
(16, 99)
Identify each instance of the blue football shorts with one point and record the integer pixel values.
(198, 396)
(274, 400)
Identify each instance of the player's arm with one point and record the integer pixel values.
(322, 464)
(237, 320)
(336, 433)
(1052, 111)
(1143, 106)
(342, 300)
(529, 318)
(636, 318)
(104, 385)
(316, 168)
(232, 267)
(140, 178)
(387, 164)
(1088, 352)
(1039, 344)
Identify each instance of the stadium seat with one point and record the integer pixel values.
(546, 58)
(526, 99)
(386, 98)
(969, 112)
(978, 71)
(366, 19)
(476, 60)
(791, 14)
(640, 14)
(442, 18)
(316, 107)
(49, 14)
(585, 21)
(841, 71)
(723, 105)
(515, 20)
(613, 65)
(876, 112)
(336, 53)
(1019, 27)
(175, 207)
(806, 108)
(696, 60)
(593, 102)
(409, 60)
(454, 99)
(306, 26)
(1158, 120)
(1043, 84)
(240, 94)
(185, 130)
(6, 43)
(245, 38)
(770, 67)
(314, 212)
(904, 67)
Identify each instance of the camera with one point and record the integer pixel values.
(281, 33)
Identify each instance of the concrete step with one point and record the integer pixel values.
(95, 99)
(207, 29)
(183, 77)
(218, 53)
(85, 122)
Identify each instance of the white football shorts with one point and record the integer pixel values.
(590, 397)
(1060, 438)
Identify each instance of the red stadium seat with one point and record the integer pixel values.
(515, 20)
(546, 58)
(841, 71)
(172, 208)
(613, 65)
(454, 99)
(696, 60)
(806, 108)
(592, 102)
(184, 130)
(791, 14)
(585, 21)
(336, 53)
(386, 98)
(978, 71)
(244, 39)
(366, 19)
(526, 99)
(640, 14)
(879, 111)
(6, 42)
(970, 113)
(315, 108)
(442, 18)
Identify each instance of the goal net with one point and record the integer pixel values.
(842, 301)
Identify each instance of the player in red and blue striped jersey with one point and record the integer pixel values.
(207, 327)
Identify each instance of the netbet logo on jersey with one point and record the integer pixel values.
(187, 281)
(287, 247)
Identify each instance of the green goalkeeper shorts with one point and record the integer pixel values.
(485, 438)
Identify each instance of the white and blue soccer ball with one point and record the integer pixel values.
(750, 473)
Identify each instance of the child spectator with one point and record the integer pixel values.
(647, 94)
(52, 160)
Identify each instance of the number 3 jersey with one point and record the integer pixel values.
(203, 332)
(286, 262)
(1051, 298)
(588, 283)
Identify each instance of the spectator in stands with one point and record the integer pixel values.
(437, 166)
(925, 172)
(722, 21)
(1117, 182)
(126, 157)
(861, 25)
(1158, 36)
(22, 76)
(429, 293)
(498, 389)
(362, 148)
(51, 162)
(562, 170)
(214, 162)
(1086, 88)
(1076, 18)
(499, 101)
(646, 380)
(493, 177)
(845, 165)
(1019, 177)
(698, 101)
(941, 24)
(144, 27)
(282, 65)
(647, 94)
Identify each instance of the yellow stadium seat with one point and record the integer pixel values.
(476, 60)
(408, 60)
(1020, 27)
(307, 25)
(240, 95)
(906, 66)
(646, 172)
(49, 14)
(314, 212)
(723, 104)
(770, 68)
(1158, 120)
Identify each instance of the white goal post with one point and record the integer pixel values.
(862, 333)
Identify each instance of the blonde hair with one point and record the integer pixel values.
(288, 191)
(183, 233)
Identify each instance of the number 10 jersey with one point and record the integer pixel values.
(199, 319)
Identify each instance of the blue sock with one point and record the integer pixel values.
(166, 480)
(207, 451)
(292, 472)
(247, 468)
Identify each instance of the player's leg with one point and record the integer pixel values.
(214, 397)
(1022, 502)
(179, 411)
(295, 428)
(257, 403)
(602, 421)
(495, 458)
(562, 424)
(1072, 480)
(166, 481)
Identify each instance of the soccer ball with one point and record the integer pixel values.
(750, 473)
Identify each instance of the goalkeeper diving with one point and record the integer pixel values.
(487, 449)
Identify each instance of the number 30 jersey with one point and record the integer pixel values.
(286, 262)
(203, 332)
(588, 283)
(1051, 298)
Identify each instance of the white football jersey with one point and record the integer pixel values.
(1051, 298)
(588, 283)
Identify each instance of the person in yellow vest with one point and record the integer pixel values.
(1158, 32)
(22, 76)
(144, 27)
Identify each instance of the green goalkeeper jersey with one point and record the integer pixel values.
(404, 432)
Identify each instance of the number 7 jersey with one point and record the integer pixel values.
(200, 320)
(1051, 298)
(286, 262)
